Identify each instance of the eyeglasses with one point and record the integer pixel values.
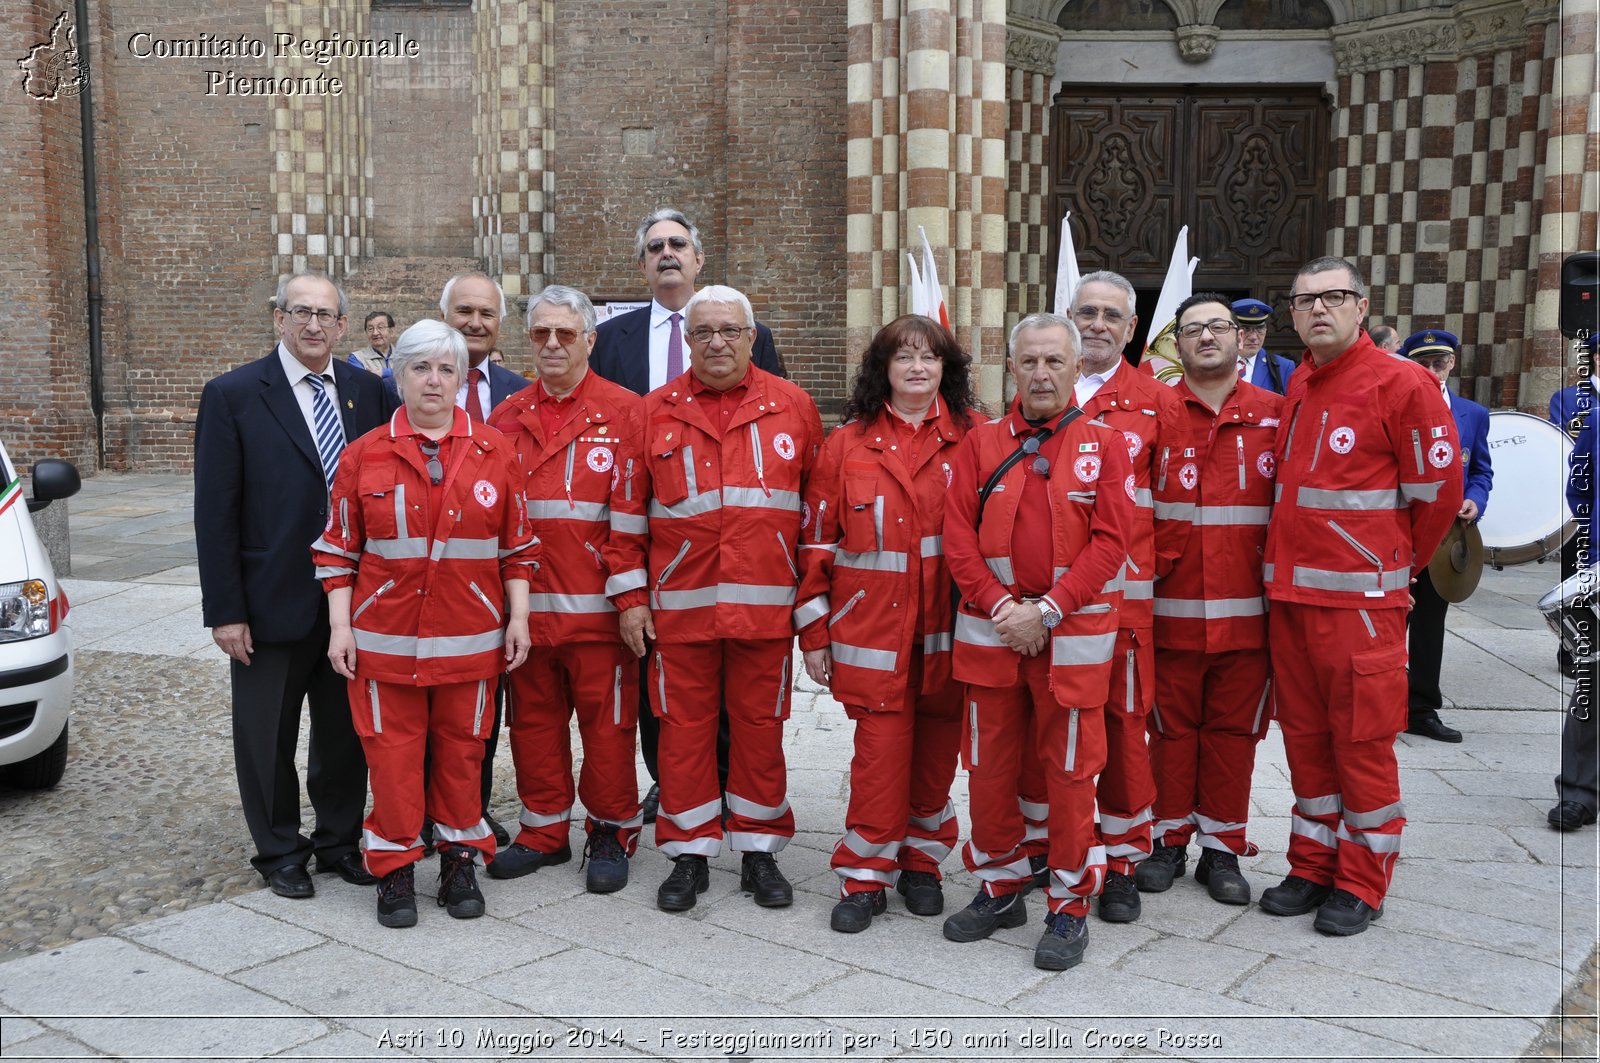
(677, 243)
(430, 450)
(1087, 314)
(564, 336)
(302, 315)
(729, 333)
(1041, 464)
(1218, 327)
(1333, 298)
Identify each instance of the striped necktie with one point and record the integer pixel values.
(330, 431)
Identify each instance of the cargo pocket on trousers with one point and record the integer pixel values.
(1378, 693)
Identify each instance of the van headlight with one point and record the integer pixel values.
(24, 610)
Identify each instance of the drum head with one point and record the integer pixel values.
(1528, 517)
(1458, 563)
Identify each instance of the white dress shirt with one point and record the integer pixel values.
(660, 333)
(1089, 383)
(298, 374)
(483, 388)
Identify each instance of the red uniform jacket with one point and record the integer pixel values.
(580, 492)
(1091, 507)
(1369, 479)
(872, 570)
(1212, 599)
(724, 511)
(1156, 431)
(429, 605)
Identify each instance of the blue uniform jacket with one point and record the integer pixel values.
(1472, 425)
(1571, 406)
(1261, 376)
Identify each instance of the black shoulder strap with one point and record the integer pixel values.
(1016, 455)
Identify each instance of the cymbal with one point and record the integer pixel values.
(1458, 563)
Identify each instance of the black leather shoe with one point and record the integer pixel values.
(1570, 815)
(1294, 896)
(759, 875)
(854, 914)
(1219, 873)
(689, 878)
(521, 860)
(923, 894)
(984, 916)
(1119, 900)
(1430, 726)
(502, 837)
(350, 868)
(1156, 872)
(651, 803)
(1063, 942)
(1343, 914)
(291, 881)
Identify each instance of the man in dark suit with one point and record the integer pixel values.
(1261, 367)
(267, 441)
(475, 304)
(645, 348)
(1435, 350)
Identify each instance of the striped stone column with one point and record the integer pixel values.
(1030, 236)
(926, 125)
(513, 186)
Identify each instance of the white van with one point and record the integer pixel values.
(35, 644)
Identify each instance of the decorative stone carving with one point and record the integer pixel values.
(1196, 43)
(1444, 33)
(1032, 50)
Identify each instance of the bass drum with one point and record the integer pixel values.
(1529, 519)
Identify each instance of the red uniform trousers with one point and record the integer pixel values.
(599, 681)
(688, 682)
(1007, 727)
(398, 725)
(1340, 687)
(1211, 709)
(900, 816)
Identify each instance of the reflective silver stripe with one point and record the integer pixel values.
(874, 561)
(1327, 805)
(374, 596)
(475, 833)
(484, 598)
(326, 547)
(1072, 742)
(616, 697)
(427, 649)
(726, 594)
(330, 571)
(1032, 832)
(692, 847)
(629, 523)
(569, 603)
(1174, 510)
(976, 631)
(1141, 497)
(932, 823)
(1372, 632)
(937, 642)
(690, 480)
(400, 509)
(529, 545)
(788, 557)
(1378, 843)
(1138, 590)
(1266, 572)
(831, 548)
(866, 874)
(862, 657)
(377, 843)
(1224, 516)
(741, 806)
(626, 581)
(1321, 579)
(1376, 818)
(1318, 498)
(1132, 850)
(933, 546)
(751, 842)
(561, 509)
(811, 611)
(1082, 649)
(756, 498)
(1118, 825)
(860, 847)
(697, 816)
(1082, 497)
(693, 506)
(1072, 881)
(933, 850)
(877, 519)
(1000, 568)
(540, 819)
(1210, 608)
(454, 549)
(1207, 825)
(1428, 492)
(377, 715)
(1277, 493)
(398, 549)
(1162, 827)
(1004, 867)
(1038, 811)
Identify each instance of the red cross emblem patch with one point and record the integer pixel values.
(485, 493)
(1267, 464)
(783, 443)
(1441, 454)
(1135, 442)
(1343, 439)
(1087, 468)
(1188, 476)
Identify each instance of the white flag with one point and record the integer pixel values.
(1067, 273)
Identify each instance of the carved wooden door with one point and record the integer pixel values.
(1247, 172)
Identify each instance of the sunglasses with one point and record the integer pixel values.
(564, 336)
(677, 243)
(430, 450)
(1041, 464)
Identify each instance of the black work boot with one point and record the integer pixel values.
(1119, 900)
(458, 883)
(1156, 872)
(1344, 914)
(759, 875)
(689, 878)
(984, 916)
(923, 894)
(397, 898)
(854, 913)
(1063, 942)
(1294, 896)
(1219, 873)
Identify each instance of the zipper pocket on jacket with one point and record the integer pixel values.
(783, 683)
(1321, 429)
(1239, 440)
(788, 557)
(1416, 446)
(1166, 453)
(627, 476)
(372, 696)
(851, 604)
(972, 724)
(366, 604)
(616, 697)
(661, 684)
(599, 561)
(477, 717)
(822, 507)
(661, 580)
(1132, 673)
(484, 598)
(572, 453)
(1355, 544)
(1072, 741)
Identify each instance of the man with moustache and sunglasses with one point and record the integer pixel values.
(645, 348)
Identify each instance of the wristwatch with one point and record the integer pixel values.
(1048, 616)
